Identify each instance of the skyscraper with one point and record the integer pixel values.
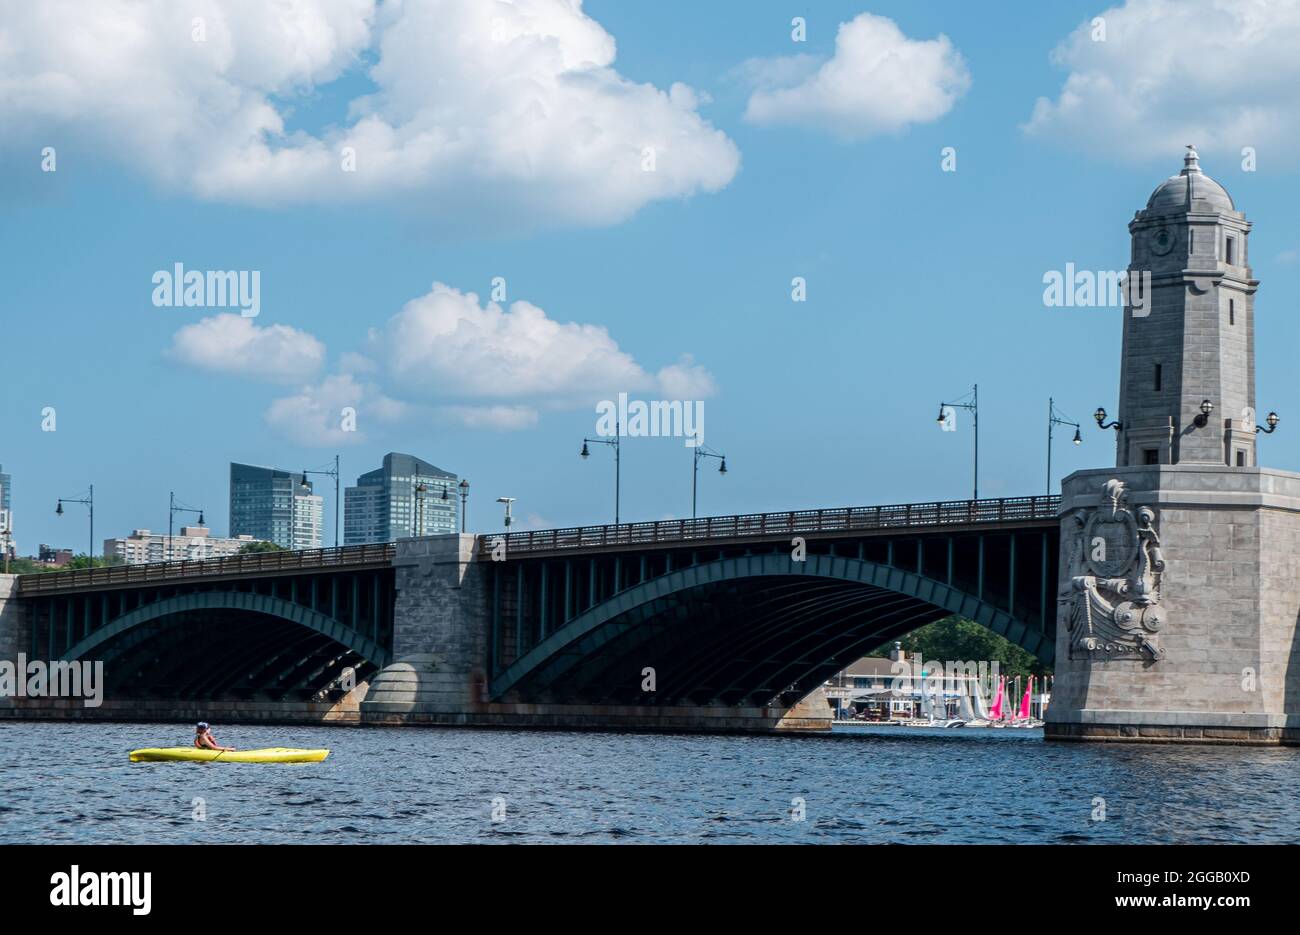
(406, 497)
(274, 505)
(6, 515)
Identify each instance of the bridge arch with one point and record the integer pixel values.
(245, 601)
(809, 620)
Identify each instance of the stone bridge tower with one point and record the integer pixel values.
(1189, 334)
(1179, 586)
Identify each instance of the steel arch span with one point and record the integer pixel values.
(742, 630)
(215, 643)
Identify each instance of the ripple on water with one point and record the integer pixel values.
(73, 783)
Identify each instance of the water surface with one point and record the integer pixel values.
(73, 783)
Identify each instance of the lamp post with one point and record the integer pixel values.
(1272, 421)
(1054, 419)
(464, 503)
(334, 473)
(971, 402)
(6, 543)
(507, 501)
(172, 510)
(616, 443)
(702, 451)
(1100, 416)
(89, 501)
(419, 491)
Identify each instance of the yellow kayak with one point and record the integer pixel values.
(269, 755)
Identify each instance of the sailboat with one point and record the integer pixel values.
(996, 715)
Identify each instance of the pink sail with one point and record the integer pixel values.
(1024, 702)
(995, 712)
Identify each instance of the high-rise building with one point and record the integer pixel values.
(406, 497)
(192, 545)
(275, 506)
(6, 517)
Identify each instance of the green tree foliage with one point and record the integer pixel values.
(261, 547)
(85, 561)
(958, 639)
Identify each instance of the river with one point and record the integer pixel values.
(72, 782)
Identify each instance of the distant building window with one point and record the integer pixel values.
(1158, 375)
(1151, 456)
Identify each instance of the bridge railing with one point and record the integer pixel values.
(250, 564)
(846, 519)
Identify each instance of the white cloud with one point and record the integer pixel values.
(318, 415)
(1220, 74)
(229, 343)
(490, 111)
(878, 81)
(443, 357)
(445, 344)
(502, 418)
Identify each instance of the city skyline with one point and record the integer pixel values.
(797, 394)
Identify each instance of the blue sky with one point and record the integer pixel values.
(920, 282)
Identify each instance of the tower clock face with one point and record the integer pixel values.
(1162, 241)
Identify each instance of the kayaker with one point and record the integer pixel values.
(203, 738)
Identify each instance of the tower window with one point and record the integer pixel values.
(1232, 312)
(1230, 250)
(1241, 459)
(1159, 370)
(1150, 455)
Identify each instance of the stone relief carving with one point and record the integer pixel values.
(1111, 594)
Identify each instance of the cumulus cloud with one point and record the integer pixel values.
(444, 357)
(486, 109)
(1217, 73)
(229, 343)
(336, 411)
(447, 343)
(878, 81)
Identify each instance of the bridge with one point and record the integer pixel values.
(733, 615)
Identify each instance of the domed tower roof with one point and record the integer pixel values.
(1190, 190)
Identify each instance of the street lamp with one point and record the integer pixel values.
(1054, 419)
(616, 443)
(970, 401)
(1100, 416)
(507, 501)
(702, 451)
(1207, 407)
(418, 518)
(1272, 421)
(89, 501)
(334, 473)
(172, 510)
(464, 502)
(6, 543)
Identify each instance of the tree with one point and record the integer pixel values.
(955, 639)
(85, 561)
(260, 546)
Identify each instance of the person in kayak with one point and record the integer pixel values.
(204, 740)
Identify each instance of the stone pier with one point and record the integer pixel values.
(1180, 595)
(440, 652)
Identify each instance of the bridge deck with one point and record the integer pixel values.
(348, 557)
(720, 530)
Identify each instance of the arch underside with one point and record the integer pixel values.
(755, 630)
(235, 646)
